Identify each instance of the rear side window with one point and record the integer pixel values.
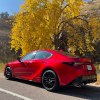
(42, 55)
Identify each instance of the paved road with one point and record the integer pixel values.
(34, 91)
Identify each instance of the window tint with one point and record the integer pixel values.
(42, 55)
(29, 56)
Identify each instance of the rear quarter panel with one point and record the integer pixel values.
(65, 73)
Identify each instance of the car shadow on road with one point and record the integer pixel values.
(28, 82)
(85, 92)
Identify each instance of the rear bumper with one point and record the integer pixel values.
(89, 79)
(85, 79)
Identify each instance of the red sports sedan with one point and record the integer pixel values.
(52, 69)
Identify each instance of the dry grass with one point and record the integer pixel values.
(98, 79)
(2, 67)
(97, 65)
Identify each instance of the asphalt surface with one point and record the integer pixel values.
(5, 96)
(35, 91)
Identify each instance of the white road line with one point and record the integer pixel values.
(14, 94)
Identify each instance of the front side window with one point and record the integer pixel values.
(42, 55)
(29, 56)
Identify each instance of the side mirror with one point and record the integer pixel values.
(19, 59)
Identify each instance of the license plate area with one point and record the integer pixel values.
(89, 67)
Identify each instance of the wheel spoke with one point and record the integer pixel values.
(53, 79)
(45, 78)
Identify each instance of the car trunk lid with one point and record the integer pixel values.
(86, 65)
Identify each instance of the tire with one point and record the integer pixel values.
(50, 80)
(8, 73)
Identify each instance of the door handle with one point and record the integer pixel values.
(29, 62)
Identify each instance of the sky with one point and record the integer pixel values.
(12, 6)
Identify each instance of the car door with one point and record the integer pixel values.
(37, 63)
(21, 68)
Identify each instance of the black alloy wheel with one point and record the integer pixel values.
(8, 73)
(50, 80)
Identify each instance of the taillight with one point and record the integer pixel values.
(69, 63)
(73, 63)
(78, 63)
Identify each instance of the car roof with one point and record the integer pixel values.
(58, 53)
(51, 51)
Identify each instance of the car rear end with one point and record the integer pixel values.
(74, 70)
(86, 72)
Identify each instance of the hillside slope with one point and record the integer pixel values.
(92, 7)
(5, 30)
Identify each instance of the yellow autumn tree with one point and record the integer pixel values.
(38, 21)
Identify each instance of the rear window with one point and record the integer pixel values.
(67, 54)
